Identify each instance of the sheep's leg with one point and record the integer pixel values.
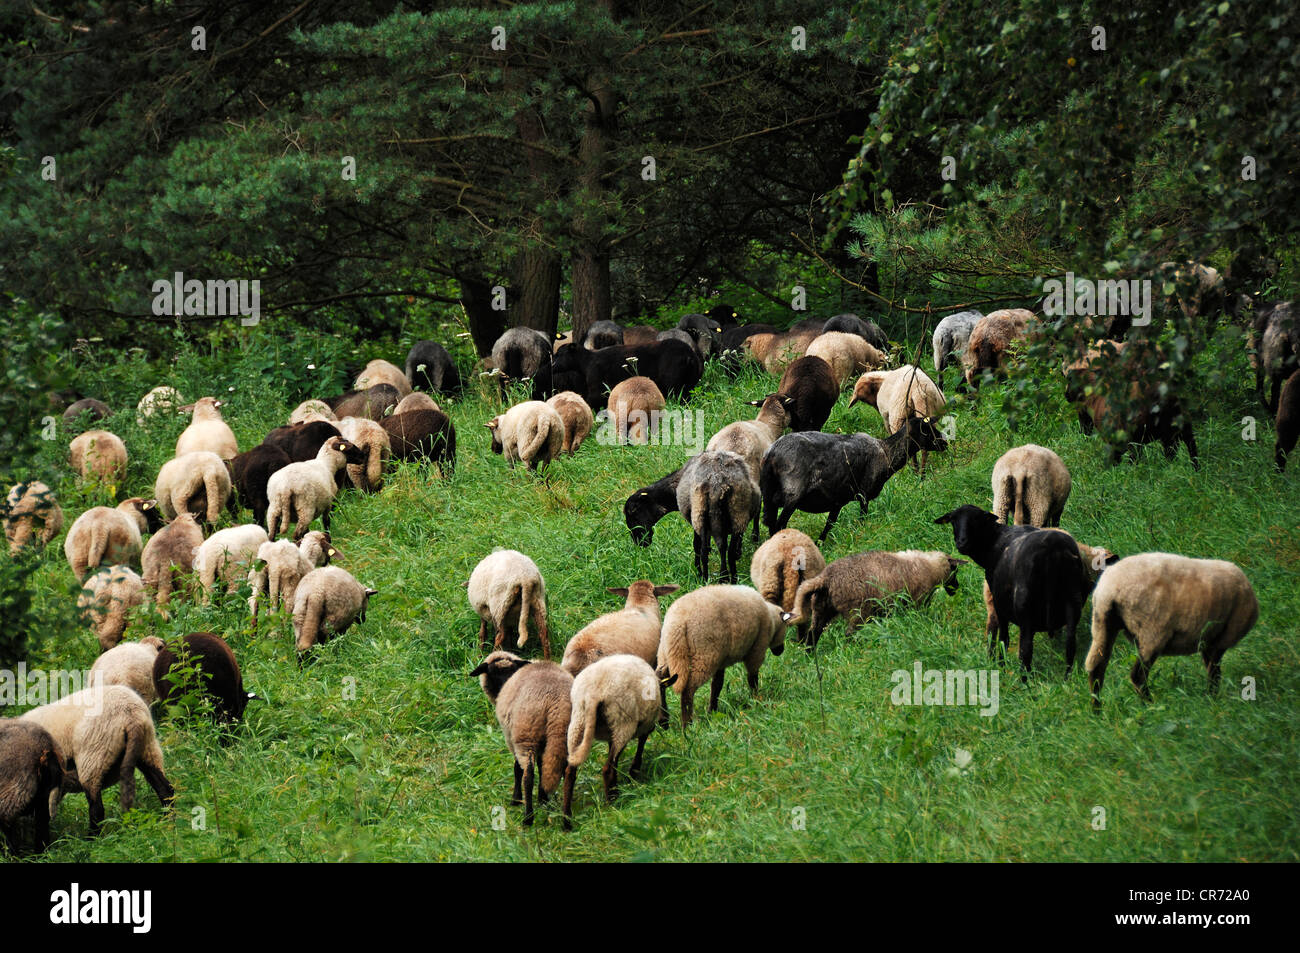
(1212, 658)
(609, 774)
(702, 557)
(158, 781)
(715, 691)
(528, 792)
(1004, 636)
(663, 705)
(753, 536)
(539, 620)
(1026, 654)
(482, 635)
(566, 806)
(635, 771)
(517, 795)
(1141, 669)
(733, 557)
(41, 812)
(500, 636)
(95, 799)
(324, 519)
(1189, 438)
(688, 706)
(830, 521)
(784, 518)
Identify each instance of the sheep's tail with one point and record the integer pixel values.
(98, 545)
(771, 579)
(213, 488)
(539, 438)
(805, 592)
(309, 627)
(526, 594)
(1022, 492)
(720, 516)
(582, 728)
(134, 742)
(700, 509)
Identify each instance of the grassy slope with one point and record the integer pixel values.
(414, 766)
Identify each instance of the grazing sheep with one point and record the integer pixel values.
(103, 536)
(986, 350)
(31, 771)
(784, 349)
(218, 675)
(865, 584)
(1169, 605)
(423, 435)
(1085, 371)
(603, 334)
(812, 386)
(1095, 559)
(951, 335)
(106, 732)
(430, 367)
(281, 566)
(717, 496)
(847, 354)
(99, 455)
(1147, 418)
(310, 410)
(414, 401)
(1278, 333)
(380, 371)
(633, 630)
(1288, 422)
(226, 555)
(677, 334)
(106, 600)
(170, 552)
(94, 409)
(674, 366)
(252, 470)
(505, 589)
(328, 601)
(869, 331)
(614, 700)
(705, 333)
(303, 491)
(711, 628)
(373, 403)
(648, 505)
(129, 664)
(577, 416)
(162, 400)
(196, 482)
(533, 708)
(301, 442)
(1035, 575)
(1031, 484)
(639, 334)
(372, 439)
(531, 432)
(749, 439)
(207, 431)
(781, 565)
(822, 473)
(518, 354)
(635, 406)
(1198, 292)
(898, 395)
(32, 516)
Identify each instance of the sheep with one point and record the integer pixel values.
(423, 435)
(677, 334)
(1288, 421)
(106, 732)
(868, 330)
(372, 439)
(207, 431)
(196, 482)
(506, 589)
(99, 455)
(717, 496)
(1198, 290)
(1169, 605)
(1085, 371)
(639, 334)
(648, 505)
(103, 536)
(328, 601)
(634, 407)
(226, 555)
(951, 335)
(281, 566)
(429, 367)
(735, 336)
(304, 491)
(705, 333)
(822, 473)
(530, 432)
(106, 600)
(1031, 484)
(847, 354)
(781, 565)
(373, 403)
(31, 516)
(1095, 559)
(310, 410)
(1035, 575)
(603, 334)
(301, 442)
(252, 470)
(898, 395)
(207, 656)
(130, 664)
(614, 700)
(713, 627)
(160, 400)
(1278, 334)
(577, 416)
(380, 371)
(989, 339)
(518, 354)
(778, 351)
(94, 409)
(864, 584)
(674, 366)
(1147, 418)
(533, 707)
(31, 771)
(633, 630)
(749, 439)
(416, 400)
(813, 389)
(562, 338)
(170, 552)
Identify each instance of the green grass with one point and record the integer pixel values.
(382, 749)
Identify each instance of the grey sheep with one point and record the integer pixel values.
(31, 771)
(519, 354)
(951, 335)
(429, 367)
(717, 496)
(868, 330)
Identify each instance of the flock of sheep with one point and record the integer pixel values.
(611, 683)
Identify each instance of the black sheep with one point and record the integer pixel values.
(1035, 576)
(674, 366)
(249, 472)
(824, 472)
(869, 331)
(1288, 420)
(430, 368)
(31, 767)
(302, 441)
(812, 386)
(648, 505)
(704, 331)
(221, 679)
(603, 334)
(373, 402)
(423, 434)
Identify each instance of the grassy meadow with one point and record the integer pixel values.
(381, 749)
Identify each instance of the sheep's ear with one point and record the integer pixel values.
(954, 563)
(666, 589)
(465, 584)
(148, 504)
(671, 679)
(947, 517)
(754, 403)
(372, 592)
(618, 591)
(481, 670)
(187, 409)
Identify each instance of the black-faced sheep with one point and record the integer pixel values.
(100, 456)
(749, 439)
(281, 565)
(986, 350)
(103, 536)
(781, 565)
(705, 333)
(423, 435)
(301, 442)
(252, 470)
(648, 505)
(1147, 418)
(106, 601)
(634, 408)
(577, 416)
(898, 395)
(868, 330)
(1030, 486)
(207, 431)
(32, 516)
(429, 367)
(1288, 420)
(813, 389)
(633, 630)
(531, 432)
(215, 673)
(31, 771)
(506, 589)
(196, 482)
(675, 368)
(380, 371)
(301, 492)
(372, 439)
(1095, 559)
(717, 496)
(329, 600)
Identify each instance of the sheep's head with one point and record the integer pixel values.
(495, 670)
(494, 425)
(643, 591)
(779, 622)
(867, 389)
(365, 602)
(641, 512)
(950, 580)
(972, 527)
(924, 434)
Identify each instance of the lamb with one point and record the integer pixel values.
(207, 431)
(98, 455)
(217, 670)
(1031, 484)
(577, 416)
(633, 630)
(634, 407)
(429, 367)
(301, 442)
(310, 410)
(713, 627)
(196, 482)
(306, 490)
(31, 772)
(106, 732)
(986, 350)
(898, 395)
(1095, 559)
(31, 516)
(530, 432)
(648, 505)
(717, 496)
(103, 536)
(379, 371)
(520, 353)
(94, 409)
(533, 708)
(822, 473)
(506, 589)
(252, 470)
(130, 664)
(1288, 422)
(161, 400)
(812, 385)
(414, 401)
(372, 439)
(865, 584)
(847, 354)
(281, 566)
(1278, 333)
(423, 435)
(749, 439)
(1169, 605)
(614, 701)
(781, 565)
(951, 335)
(1035, 575)
(328, 601)
(603, 334)
(869, 331)
(226, 555)
(373, 403)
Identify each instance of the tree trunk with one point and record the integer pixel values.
(485, 325)
(589, 280)
(535, 295)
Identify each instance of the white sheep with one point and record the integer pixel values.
(506, 589)
(306, 490)
(847, 354)
(380, 371)
(196, 482)
(106, 600)
(633, 630)
(749, 439)
(781, 565)
(31, 516)
(1031, 484)
(99, 455)
(226, 555)
(130, 664)
(160, 400)
(374, 441)
(899, 395)
(328, 601)
(281, 566)
(310, 410)
(577, 416)
(103, 535)
(634, 406)
(530, 432)
(207, 431)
